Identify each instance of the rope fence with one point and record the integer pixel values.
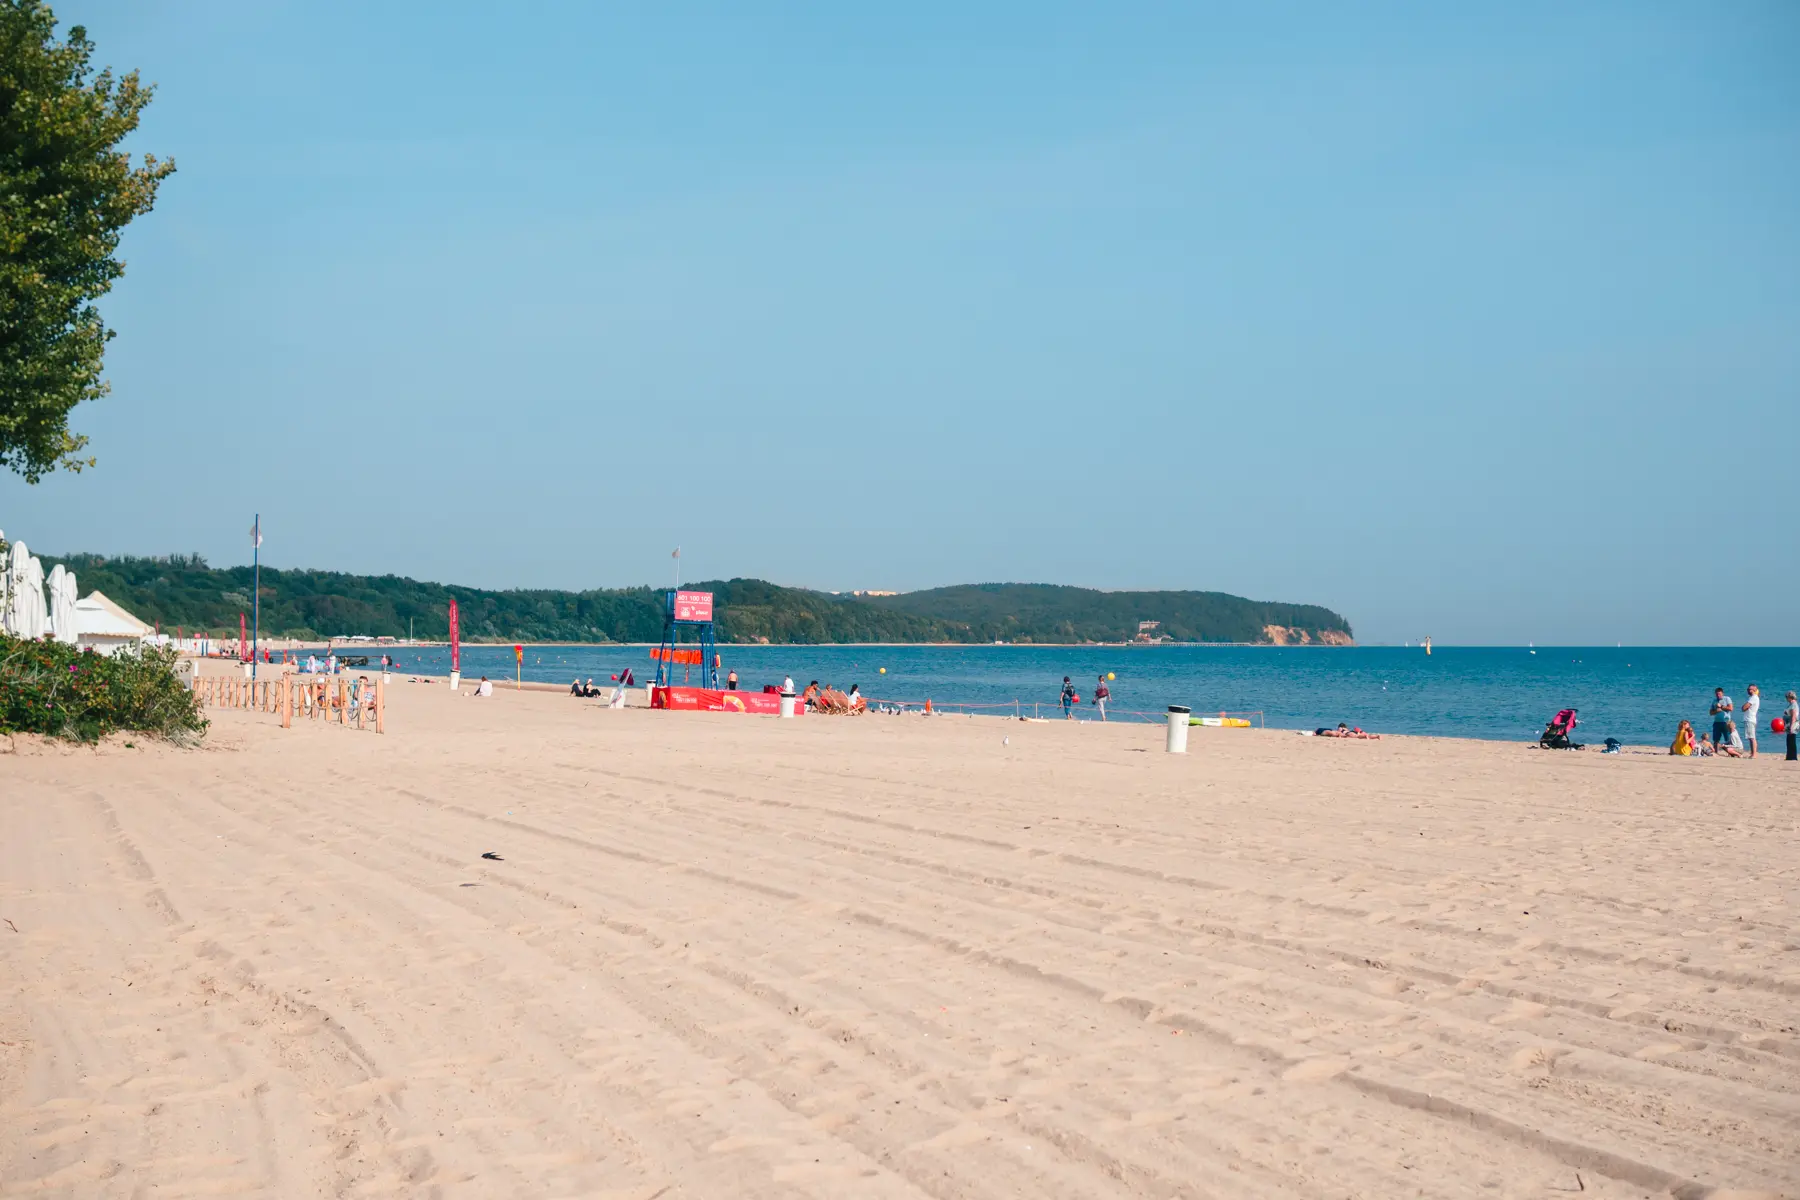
(1035, 710)
(334, 700)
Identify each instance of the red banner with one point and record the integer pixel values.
(455, 641)
(243, 640)
(686, 699)
(689, 658)
(693, 606)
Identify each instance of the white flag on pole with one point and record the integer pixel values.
(256, 534)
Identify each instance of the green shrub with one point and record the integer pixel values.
(53, 688)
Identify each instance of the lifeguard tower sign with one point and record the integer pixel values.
(693, 608)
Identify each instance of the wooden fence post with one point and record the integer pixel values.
(380, 706)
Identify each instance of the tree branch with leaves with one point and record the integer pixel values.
(66, 194)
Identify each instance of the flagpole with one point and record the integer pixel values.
(255, 591)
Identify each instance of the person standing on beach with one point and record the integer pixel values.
(1102, 694)
(1752, 702)
(1068, 699)
(1792, 717)
(731, 681)
(1721, 715)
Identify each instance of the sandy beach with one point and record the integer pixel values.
(720, 956)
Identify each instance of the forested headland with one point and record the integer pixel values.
(183, 592)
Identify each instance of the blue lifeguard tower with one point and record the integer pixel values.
(691, 610)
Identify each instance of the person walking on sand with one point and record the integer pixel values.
(1721, 715)
(1068, 699)
(1792, 718)
(1747, 717)
(1102, 694)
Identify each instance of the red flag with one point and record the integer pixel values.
(243, 640)
(455, 642)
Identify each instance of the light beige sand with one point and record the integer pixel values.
(729, 956)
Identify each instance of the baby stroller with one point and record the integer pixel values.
(1556, 733)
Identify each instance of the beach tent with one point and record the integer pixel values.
(103, 626)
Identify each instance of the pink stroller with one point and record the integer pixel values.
(1556, 733)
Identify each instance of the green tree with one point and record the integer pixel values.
(66, 193)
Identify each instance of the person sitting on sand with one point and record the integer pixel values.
(1733, 745)
(855, 698)
(1683, 744)
(575, 687)
(484, 688)
(810, 697)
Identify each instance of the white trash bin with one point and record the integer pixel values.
(787, 704)
(1178, 728)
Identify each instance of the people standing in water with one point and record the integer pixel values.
(1102, 694)
(1721, 718)
(1747, 717)
(1068, 699)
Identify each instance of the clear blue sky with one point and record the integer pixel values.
(1481, 321)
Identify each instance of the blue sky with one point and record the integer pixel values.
(1477, 321)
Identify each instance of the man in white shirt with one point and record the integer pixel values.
(1747, 714)
(787, 684)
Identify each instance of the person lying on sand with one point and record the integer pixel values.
(1345, 731)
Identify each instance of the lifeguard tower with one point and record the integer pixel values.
(695, 610)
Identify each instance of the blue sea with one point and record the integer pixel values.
(1501, 693)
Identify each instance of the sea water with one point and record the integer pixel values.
(1635, 694)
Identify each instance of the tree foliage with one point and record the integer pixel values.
(66, 194)
(183, 591)
(1042, 612)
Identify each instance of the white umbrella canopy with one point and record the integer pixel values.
(37, 613)
(21, 592)
(61, 598)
